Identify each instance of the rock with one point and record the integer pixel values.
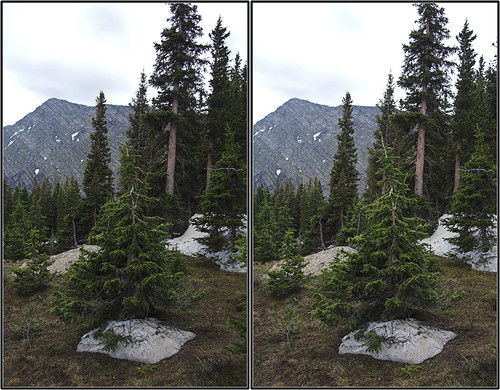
(412, 341)
(319, 261)
(63, 260)
(150, 340)
(298, 139)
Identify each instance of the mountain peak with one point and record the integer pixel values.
(53, 141)
(298, 141)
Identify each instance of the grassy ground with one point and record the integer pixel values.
(310, 358)
(52, 360)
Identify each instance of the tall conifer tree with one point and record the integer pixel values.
(344, 176)
(224, 202)
(97, 176)
(136, 133)
(383, 135)
(474, 202)
(425, 77)
(177, 77)
(465, 118)
(219, 98)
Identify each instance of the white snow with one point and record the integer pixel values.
(151, 341)
(57, 139)
(480, 261)
(37, 171)
(187, 245)
(286, 158)
(278, 171)
(74, 135)
(10, 143)
(45, 158)
(412, 341)
(16, 133)
(316, 136)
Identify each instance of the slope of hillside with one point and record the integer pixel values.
(53, 141)
(298, 141)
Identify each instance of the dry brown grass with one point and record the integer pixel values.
(52, 360)
(470, 360)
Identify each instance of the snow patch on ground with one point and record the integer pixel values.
(37, 171)
(150, 340)
(480, 261)
(316, 135)
(411, 341)
(278, 171)
(187, 245)
(74, 135)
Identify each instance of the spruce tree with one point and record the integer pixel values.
(425, 77)
(314, 236)
(384, 134)
(219, 98)
(133, 274)
(16, 231)
(343, 176)
(223, 204)
(7, 202)
(265, 230)
(465, 116)
(69, 232)
(177, 77)
(391, 274)
(290, 276)
(35, 276)
(473, 204)
(136, 133)
(97, 176)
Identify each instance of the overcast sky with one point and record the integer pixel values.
(318, 51)
(72, 51)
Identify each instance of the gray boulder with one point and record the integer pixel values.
(148, 341)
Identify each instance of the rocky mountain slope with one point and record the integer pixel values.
(53, 141)
(298, 141)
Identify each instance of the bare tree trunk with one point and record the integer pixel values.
(419, 169)
(172, 149)
(209, 160)
(75, 242)
(321, 234)
(457, 166)
(172, 143)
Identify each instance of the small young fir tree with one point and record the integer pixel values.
(391, 274)
(133, 274)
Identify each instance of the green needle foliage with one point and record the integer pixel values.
(290, 276)
(34, 276)
(474, 202)
(391, 274)
(133, 274)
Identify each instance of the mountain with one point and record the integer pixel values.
(53, 141)
(298, 141)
